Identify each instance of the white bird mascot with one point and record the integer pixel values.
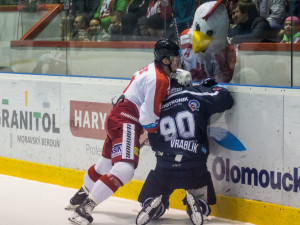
(205, 49)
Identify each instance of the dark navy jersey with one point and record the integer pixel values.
(182, 137)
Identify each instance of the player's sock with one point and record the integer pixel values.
(149, 210)
(78, 198)
(82, 214)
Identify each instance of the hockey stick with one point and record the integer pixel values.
(175, 24)
(144, 143)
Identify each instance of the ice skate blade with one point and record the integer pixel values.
(76, 219)
(144, 217)
(71, 207)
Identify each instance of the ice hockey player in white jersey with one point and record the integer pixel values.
(181, 147)
(136, 109)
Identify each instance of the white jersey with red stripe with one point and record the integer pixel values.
(147, 89)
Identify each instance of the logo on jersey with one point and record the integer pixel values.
(128, 141)
(194, 105)
(116, 150)
(203, 150)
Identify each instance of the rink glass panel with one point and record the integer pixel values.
(28, 47)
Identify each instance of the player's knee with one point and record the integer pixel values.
(93, 174)
(111, 181)
(124, 171)
(103, 165)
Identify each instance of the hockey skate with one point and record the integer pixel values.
(148, 211)
(206, 210)
(82, 214)
(194, 209)
(77, 199)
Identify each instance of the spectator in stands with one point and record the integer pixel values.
(250, 27)
(123, 28)
(96, 32)
(80, 26)
(272, 10)
(137, 7)
(84, 6)
(90, 7)
(106, 8)
(135, 10)
(291, 32)
(142, 28)
(158, 7)
(184, 18)
(128, 27)
(66, 28)
(115, 27)
(156, 28)
(28, 5)
(294, 8)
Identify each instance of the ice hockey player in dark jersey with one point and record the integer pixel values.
(181, 148)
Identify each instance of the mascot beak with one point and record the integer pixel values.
(200, 41)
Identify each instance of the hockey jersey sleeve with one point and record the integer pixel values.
(214, 100)
(156, 91)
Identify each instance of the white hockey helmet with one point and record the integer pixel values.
(182, 77)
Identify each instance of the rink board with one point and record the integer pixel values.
(52, 130)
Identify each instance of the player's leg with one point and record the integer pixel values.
(124, 155)
(154, 198)
(82, 214)
(201, 196)
(93, 174)
(78, 198)
(150, 209)
(194, 209)
(120, 174)
(204, 192)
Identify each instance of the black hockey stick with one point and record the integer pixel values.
(175, 24)
(144, 143)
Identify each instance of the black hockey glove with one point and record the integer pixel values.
(208, 82)
(116, 99)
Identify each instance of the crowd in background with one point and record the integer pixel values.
(150, 20)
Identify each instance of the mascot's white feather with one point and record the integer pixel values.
(205, 49)
(209, 32)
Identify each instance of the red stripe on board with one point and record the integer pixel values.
(84, 44)
(268, 47)
(8, 8)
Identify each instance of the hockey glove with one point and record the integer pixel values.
(116, 99)
(208, 82)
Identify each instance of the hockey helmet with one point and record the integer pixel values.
(165, 48)
(182, 77)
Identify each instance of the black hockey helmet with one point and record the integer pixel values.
(165, 48)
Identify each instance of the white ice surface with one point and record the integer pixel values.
(26, 202)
